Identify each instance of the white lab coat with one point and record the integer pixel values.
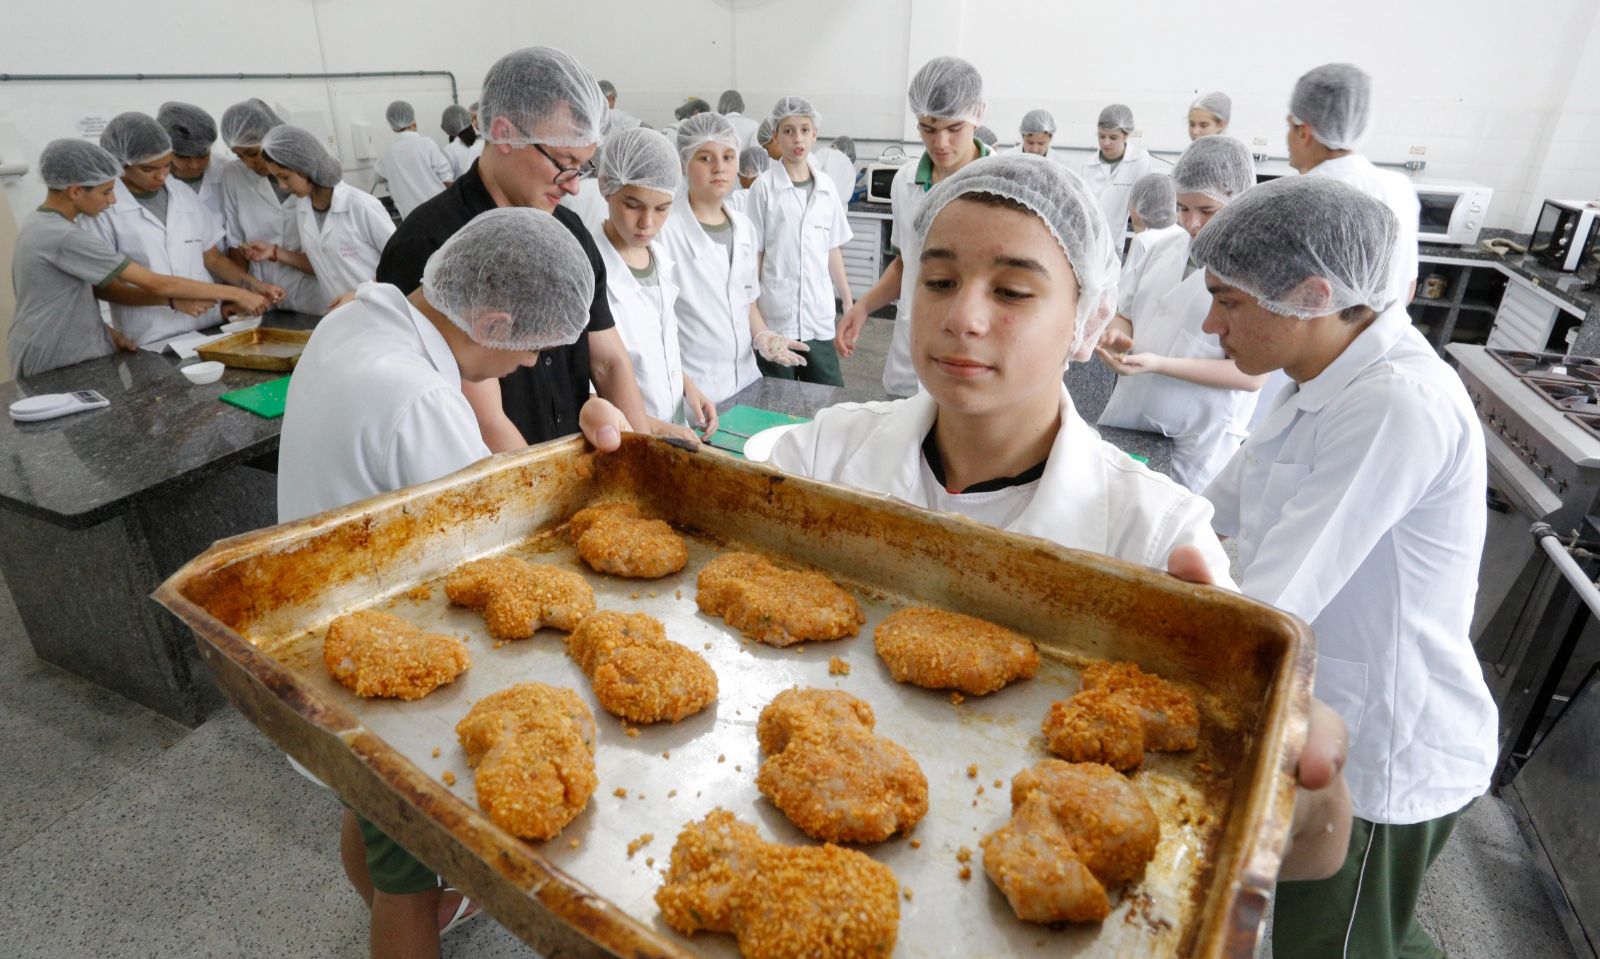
(745, 127)
(461, 156)
(1206, 423)
(617, 119)
(375, 405)
(738, 200)
(344, 250)
(840, 170)
(588, 204)
(1358, 506)
(1112, 184)
(251, 211)
(1092, 495)
(210, 189)
(647, 321)
(1395, 191)
(176, 247)
(1155, 265)
(415, 169)
(796, 231)
(714, 297)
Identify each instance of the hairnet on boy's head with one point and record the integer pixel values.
(697, 131)
(73, 162)
(1068, 208)
(793, 107)
(638, 157)
(764, 131)
(1219, 167)
(299, 150)
(1216, 103)
(986, 136)
(1273, 239)
(846, 146)
(135, 138)
(1154, 199)
(608, 88)
(947, 88)
(731, 101)
(1038, 121)
(518, 261)
(547, 96)
(244, 124)
(693, 106)
(753, 161)
(1335, 100)
(190, 128)
(400, 115)
(454, 119)
(1117, 116)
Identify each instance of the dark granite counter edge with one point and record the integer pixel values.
(1536, 275)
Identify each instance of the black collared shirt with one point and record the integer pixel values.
(543, 400)
(930, 453)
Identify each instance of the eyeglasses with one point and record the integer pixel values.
(564, 174)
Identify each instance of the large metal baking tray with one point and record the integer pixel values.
(259, 603)
(261, 348)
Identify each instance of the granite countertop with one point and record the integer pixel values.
(1567, 287)
(863, 206)
(159, 432)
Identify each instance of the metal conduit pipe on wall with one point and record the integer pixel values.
(347, 75)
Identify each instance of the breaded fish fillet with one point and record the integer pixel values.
(533, 748)
(937, 649)
(518, 598)
(380, 655)
(638, 673)
(773, 605)
(614, 538)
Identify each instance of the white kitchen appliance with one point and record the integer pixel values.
(1452, 211)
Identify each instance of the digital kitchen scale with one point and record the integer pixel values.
(48, 406)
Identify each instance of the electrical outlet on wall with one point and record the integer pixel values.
(1259, 142)
(1419, 151)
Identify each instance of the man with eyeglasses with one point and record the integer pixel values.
(541, 116)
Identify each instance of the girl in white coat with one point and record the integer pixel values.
(1112, 172)
(638, 174)
(713, 249)
(1158, 254)
(465, 145)
(1175, 378)
(342, 229)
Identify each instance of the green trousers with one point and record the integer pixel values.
(1367, 910)
(822, 366)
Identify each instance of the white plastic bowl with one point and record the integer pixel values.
(202, 373)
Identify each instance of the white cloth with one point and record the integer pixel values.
(1092, 495)
(415, 169)
(839, 169)
(251, 211)
(738, 200)
(647, 321)
(1358, 506)
(617, 120)
(1206, 423)
(461, 156)
(796, 230)
(375, 405)
(746, 129)
(588, 204)
(210, 190)
(345, 248)
(1155, 264)
(714, 297)
(1113, 184)
(176, 248)
(1393, 190)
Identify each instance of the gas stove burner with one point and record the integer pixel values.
(1554, 367)
(1590, 421)
(1574, 397)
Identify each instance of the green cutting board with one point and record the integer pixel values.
(743, 422)
(263, 399)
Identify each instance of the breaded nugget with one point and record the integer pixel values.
(613, 538)
(1171, 721)
(377, 654)
(637, 672)
(533, 748)
(781, 902)
(776, 606)
(518, 598)
(937, 649)
(1119, 714)
(831, 775)
(1075, 830)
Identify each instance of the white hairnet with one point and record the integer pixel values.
(1038, 121)
(947, 88)
(846, 146)
(793, 107)
(547, 95)
(638, 157)
(473, 107)
(454, 119)
(400, 115)
(1154, 199)
(1117, 116)
(1217, 166)
(731, 101)
(608, 88)
(704, 128)
(301, 151)
(1334, 100)
(519, 261)
(74, 162)
(135, 138)
(753, 161)
(1269, 242)
(764, 131)
(1059, 197)
(190, 128)
(986, 136)
(1216, 103)
(244, 124)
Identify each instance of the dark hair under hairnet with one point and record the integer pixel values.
(191, 129)
(731, 101)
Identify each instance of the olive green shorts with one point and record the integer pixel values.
(394, 871)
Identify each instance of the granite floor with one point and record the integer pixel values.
(125, 834)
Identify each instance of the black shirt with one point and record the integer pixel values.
(930, 453)
(543, 400)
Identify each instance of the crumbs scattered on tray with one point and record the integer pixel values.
(436, 752)
(972, 771)
(671, 793)
(965, 873)
(999, 784)
(640, 843)
(980, 789)
(449, 778)
(620, 793)
(677, 594)
(422, 592)
(838, 667)
(722, 758)
(957, 699)
(916, 844)
(906, 891)
(572, 843)
(632, 732)
(963, 855)
(666, 755)
(633, 595)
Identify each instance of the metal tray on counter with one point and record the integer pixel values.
(259, 605)
(262, 348)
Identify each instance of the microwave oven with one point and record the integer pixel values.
(880, 176)
(1452, 211)
(1564, 236)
